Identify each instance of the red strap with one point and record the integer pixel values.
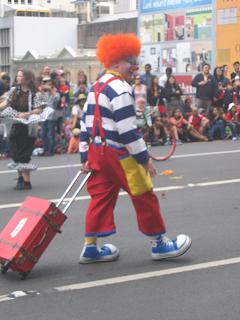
(97, 120)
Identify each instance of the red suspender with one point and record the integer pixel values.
(97, 116)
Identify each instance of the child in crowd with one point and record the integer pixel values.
(73, 144)
(64, 91)
(143, 118)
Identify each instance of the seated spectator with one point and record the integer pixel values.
(199, 124)
(232, 120)
(157, 133)
(216, 127)
(185, 130)
(160, 131)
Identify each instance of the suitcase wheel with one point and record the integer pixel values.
(5, 266)
(23, 275)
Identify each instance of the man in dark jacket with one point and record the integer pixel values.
(206, 87)
(4, 84)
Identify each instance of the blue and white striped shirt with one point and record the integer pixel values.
(117, 110)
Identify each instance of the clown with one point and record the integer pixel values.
(112, 148)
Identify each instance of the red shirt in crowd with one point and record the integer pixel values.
(178, 123)
(195, 121)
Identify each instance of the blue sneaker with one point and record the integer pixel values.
(92, 253)
(167, 142)
(165, 248)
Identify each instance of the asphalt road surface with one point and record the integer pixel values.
(200, 198)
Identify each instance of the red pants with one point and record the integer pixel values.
(104, 185)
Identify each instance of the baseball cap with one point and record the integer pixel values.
(232, 104)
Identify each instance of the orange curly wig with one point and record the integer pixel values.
(112, 48)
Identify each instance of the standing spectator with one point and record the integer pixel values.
(236, 72)
(4, 84)
(206, 88)
(52, 98)
(163, 78)
(237, 89)
(219, 77)
(147, 76)
(216, 124)
(139, 89)
(229, 96)
(44, 73)
(187, 107)
(226, 72)
(64, 103)
(25, 99)
(77, 111)
(173, 94)
(81, 87)
(155, 97)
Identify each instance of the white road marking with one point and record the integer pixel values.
(5, 297)
(124, 279)
(148, 275)
(189, 155)
(169, 188)
(47, 168)
(203, 154)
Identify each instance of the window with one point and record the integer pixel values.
(9, 1)
(16, 1)
(227, 16)
(29, 1)
(22, 1)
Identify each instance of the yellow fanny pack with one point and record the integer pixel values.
(138, 181)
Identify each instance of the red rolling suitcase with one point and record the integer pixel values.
(31, 229)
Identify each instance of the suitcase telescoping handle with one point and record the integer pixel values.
(76, 192)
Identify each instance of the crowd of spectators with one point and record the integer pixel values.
(60, 132)
(212, 112)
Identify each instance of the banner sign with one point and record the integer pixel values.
(147, 6)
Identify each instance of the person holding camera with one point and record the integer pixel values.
(52, 97)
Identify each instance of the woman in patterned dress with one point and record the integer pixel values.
(26, 100)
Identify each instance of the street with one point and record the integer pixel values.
(200, 198)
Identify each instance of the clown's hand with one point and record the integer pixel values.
(85, 168)
(148, 166)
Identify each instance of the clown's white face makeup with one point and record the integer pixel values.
(128, 68)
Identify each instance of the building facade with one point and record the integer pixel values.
(44, 35)
(178, 34)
